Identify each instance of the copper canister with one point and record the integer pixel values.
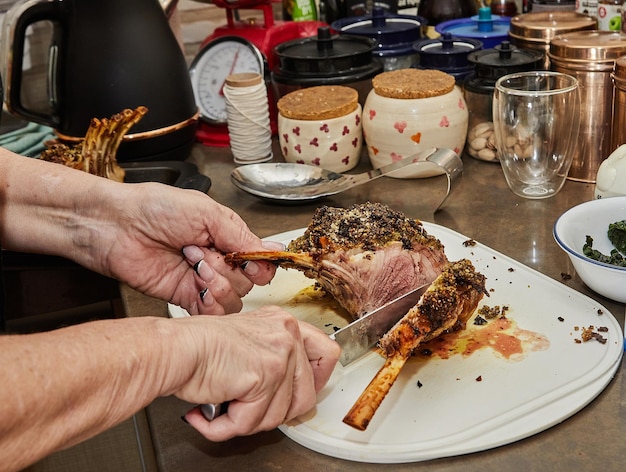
(535, 30)
(619, 111)
(590, 56)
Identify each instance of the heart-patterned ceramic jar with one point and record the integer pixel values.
(410, 110)
(321, 126)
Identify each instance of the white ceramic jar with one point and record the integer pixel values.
(321, 126)
(410, 110)
(611, 177)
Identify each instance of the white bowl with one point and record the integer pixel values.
(593, 218)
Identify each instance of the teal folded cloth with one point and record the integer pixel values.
(28, 140)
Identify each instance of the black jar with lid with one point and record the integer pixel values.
(394, 35)
(489, 66)
(448, 54)
(326, 59)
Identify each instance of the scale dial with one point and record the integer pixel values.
(217, 60)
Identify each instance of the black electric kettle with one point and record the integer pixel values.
(104, 57)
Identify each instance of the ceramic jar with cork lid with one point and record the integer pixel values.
(321, 126)
(411, 110)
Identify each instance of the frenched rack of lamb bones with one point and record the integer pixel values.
(364, 256)
(97, 152)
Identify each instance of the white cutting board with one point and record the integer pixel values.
(462, 404)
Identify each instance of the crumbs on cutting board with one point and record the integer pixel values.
(590, 332)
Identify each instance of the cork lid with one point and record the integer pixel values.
(318, 103)
(413, 83)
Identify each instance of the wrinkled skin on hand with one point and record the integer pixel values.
(297, 361)
(150, 257)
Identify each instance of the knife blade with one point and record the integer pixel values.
(357, 338)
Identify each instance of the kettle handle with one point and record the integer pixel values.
(49, 11)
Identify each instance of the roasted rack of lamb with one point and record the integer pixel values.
(445, 307)
(369, 254)
(97, 152)
(364, 256)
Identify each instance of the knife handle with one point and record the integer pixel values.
(210, 411)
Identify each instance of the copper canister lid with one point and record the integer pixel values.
(588, 49)
(541, 27)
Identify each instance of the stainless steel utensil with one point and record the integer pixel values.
(284, 182)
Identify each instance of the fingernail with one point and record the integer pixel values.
(205, 271)
(273, 245)
(206, 297)
(193, 253)
(251, 268)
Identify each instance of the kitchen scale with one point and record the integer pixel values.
(238, 46)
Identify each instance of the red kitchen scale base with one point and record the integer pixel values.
(265, 37)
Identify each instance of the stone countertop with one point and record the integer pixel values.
(482, 208)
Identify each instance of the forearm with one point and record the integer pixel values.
(50, 208)
(65, 386)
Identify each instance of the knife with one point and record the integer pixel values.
(358, 337)
(355, 339)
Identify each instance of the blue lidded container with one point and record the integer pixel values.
(490, 29)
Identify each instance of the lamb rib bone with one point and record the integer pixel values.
(446, 306)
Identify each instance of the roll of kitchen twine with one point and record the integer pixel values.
(248, 118)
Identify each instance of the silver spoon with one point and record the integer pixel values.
(301, 183)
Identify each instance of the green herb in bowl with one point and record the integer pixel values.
(617, 236)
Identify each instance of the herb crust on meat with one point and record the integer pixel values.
(368, 226)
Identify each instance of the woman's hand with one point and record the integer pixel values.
(170, 245)
(267, 364)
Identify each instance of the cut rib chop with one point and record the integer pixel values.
(446, 306)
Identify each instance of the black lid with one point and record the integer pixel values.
(326, 58)
(394, 34)
(491, 64)
(448, 54)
